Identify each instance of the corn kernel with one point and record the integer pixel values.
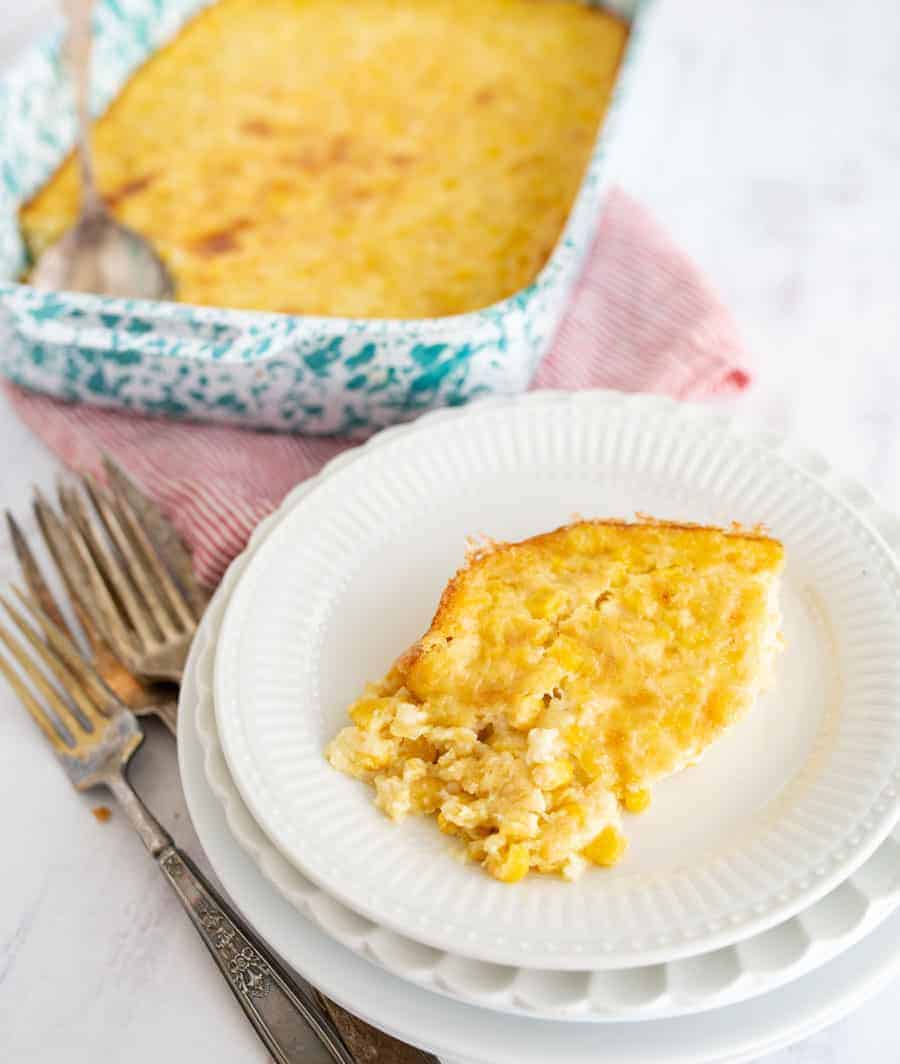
(593, 762)
(575, 737)
(515, 866)
(364, 710)
(447, 827)
(544, 602)
(426, 793)
(425, 676)
(575, 810)
(681, 723)
(553, 774)
(371, 762)
(607, 848)
(524, 714)
(636, 801)
(569, 654)
(717, 707)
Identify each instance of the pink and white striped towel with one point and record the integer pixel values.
(642, 319)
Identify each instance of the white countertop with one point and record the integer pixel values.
(766, 136)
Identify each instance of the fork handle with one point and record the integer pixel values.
(275, 1009)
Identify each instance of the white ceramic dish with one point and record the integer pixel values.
(466, 1035)
(340, 586)
(754, 967)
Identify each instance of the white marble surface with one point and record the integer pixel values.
(767, 136)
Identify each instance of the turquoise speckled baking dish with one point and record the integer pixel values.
(294, 373)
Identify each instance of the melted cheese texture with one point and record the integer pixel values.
(361, 158)
(560, 677)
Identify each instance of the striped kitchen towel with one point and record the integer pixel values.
(642, 319)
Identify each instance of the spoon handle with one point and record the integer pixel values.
(78, 54)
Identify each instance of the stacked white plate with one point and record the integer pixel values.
(764, 868)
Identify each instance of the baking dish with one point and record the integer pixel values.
(265, 370)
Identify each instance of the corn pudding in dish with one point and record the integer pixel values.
(360, 158)
(561, 676)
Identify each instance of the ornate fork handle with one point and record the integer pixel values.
(277, 1010)
(272, 1006)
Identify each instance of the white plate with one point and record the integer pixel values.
(468, 1035)
(736, 973)
(733, 974)
(804, 788)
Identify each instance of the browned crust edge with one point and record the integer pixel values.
(478, 554)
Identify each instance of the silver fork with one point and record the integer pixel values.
(116, 577)
(161, 531)
(141, 698)
(94, 737)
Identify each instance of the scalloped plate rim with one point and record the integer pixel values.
(883, 813)
(817, 951)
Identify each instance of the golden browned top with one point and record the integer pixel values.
(655, 619)
(558, 672)
(380, 158)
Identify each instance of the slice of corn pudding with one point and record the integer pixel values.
(560, 677)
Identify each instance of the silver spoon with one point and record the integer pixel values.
(98, 254)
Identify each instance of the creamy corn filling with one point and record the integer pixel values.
(562, 676)
(362, 158)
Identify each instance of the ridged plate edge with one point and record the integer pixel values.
(735, 973)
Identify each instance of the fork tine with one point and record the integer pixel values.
(38, 587)
(57, 739)
(137, 566)
(176, 600)
(108, 565)
(67, 678)
(64, 715)
(159, 531)
(58, 640)
(33, 576)
(83, 578)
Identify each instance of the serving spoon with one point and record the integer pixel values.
(98, 254)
